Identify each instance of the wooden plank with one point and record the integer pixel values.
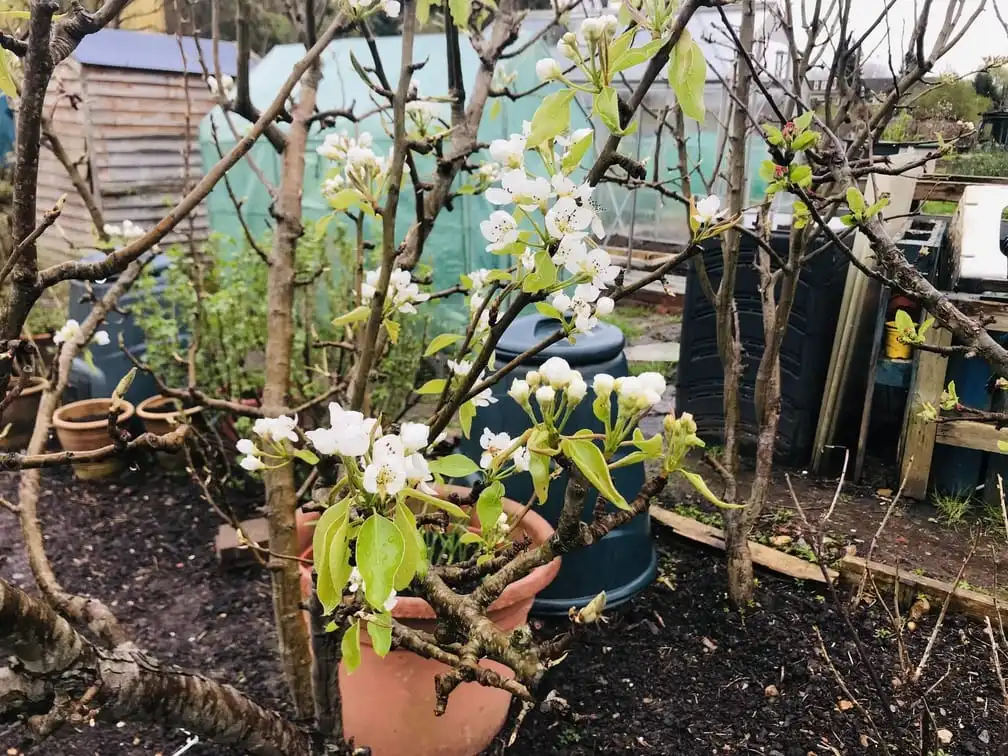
(880, 321)
(970, 434)
(950, 187)
(764, 556)
(918, 438)
(972, 603)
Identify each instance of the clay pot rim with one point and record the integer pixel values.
(61, 422)
(533, 524)
(144, 411)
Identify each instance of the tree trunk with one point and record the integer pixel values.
(281, 493)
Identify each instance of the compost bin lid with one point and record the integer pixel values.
(602, 343)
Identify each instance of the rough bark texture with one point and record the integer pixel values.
(281, 493)
(51, 662)
(739, 559)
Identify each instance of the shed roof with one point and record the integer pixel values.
(149, 51)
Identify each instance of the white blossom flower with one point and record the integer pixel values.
(529, 193)
(598, 265)
(386, 474)
(637, 394)
(128, 230)
(557, 372)
(652, 382)
(509, 152)
(548, 69)
(545, 396)
(533, 379)
(101, 338)
(568, 46)
(414, 436)
(485, 397)
(402, 292)
(493, 444)
(595, 28)
(605, 305)
(70, 330)
(562, 302)
(576, 389)
(500, 230)
(570, 252)
(521, 459)
(584, 317)
(490, 171)
(276, 428)
(223, 88)
(418, 472)
(462, 367)
(349, 433)
(391, 8)
(708, 210)
(246, 446)
(571, 215)
(603, 384)
(251, 463)
(528, 259)
(356, 581)
(479, 279)
(520, 391)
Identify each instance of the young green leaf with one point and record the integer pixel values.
(344, 199)
(774, 135)
(306, 455)
(805, 141)
(551, 117)
(856, 201)
(652, 446)
(453, 466)
(572, 158)
(7, 85)
(466, 414)
(380, 550)
(392, 329)
(539, 465)
(801, 175)
(589, 460)
(543, 276)
(607, 108)
(380, 630)
(446, 506)
(423, 10)
(354, 316)
(440, 342)
(406, 522)
(904, 323)
(489, 506)
(433, 386)
(635, 56)
(704, 490)
(335, 572)
(803, 121)
(687, 74)
(350, 647)
(460, 10)
(545, 308)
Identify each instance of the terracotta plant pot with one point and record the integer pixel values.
(160, 417)
(83, 426)
(388, 704)
(20, 414)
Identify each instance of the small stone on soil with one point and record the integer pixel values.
(944, 736)
(771, 691)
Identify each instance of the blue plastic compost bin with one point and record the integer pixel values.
(110, 363)
(624, 562)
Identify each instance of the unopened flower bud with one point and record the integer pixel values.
(533, 379)
(545, 396)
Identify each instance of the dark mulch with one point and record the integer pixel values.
(674, 673)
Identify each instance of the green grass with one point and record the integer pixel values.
(946, 207)
(665, 368)
(628, 318)
(953, 506)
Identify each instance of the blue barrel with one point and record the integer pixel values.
(109, 361)
(624, 562)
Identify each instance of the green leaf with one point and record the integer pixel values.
(803, 121)
(354, 316)
(805, 141)
(489, 506)
(621, 45)
(433, 386)
(551, 117)
(392, 329)
(306, 455)
(878, 207)
(336, 570)
(801, 175)
(460, 10)
(495, 109)
(423, 10)
(545, 308)
(1003, 446)
(344, 199)
(440, 342)
(539, 465)
(572, 158)
(543, 276)
(470, 538)
(350, 647)
(652, 446)
(602, 407)
(406, 522)
(446, 506)
(774, 135)
(856, 201)
(453, 466)
(589, 460)
(904, 322)
(380, 630)
(704, 490)
(767, 170)
(466, 414)
(630, 459)
(607, 108)
(380, 550)
(635, 56)
(687, 74)
(331, 528)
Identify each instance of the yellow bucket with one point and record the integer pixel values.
(894, 348)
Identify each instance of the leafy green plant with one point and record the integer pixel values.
(953, 506)
(48, 315)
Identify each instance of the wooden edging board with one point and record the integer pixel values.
(764, 556)
(963, 601)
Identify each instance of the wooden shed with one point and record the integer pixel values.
(119, 107)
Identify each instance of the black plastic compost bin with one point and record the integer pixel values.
(624, 562)
(110, 364)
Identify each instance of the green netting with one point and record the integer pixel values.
(455, 244)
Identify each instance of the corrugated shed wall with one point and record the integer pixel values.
(135, 124)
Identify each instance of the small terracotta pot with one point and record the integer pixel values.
(80, 430)
(388, 704)
(21, 415)
(160, 416)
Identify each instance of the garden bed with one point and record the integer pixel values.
(676, 672)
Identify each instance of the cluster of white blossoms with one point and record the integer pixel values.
(126, 230)
(424, 117)
(557, 389)
(462, 368)
(402, 295)
(569, 221)
(708, 210)
(496, 444)
(223, 87)
(593, 34)
(273, 431)
(635, 393)
(71, 331)
(363, 169)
